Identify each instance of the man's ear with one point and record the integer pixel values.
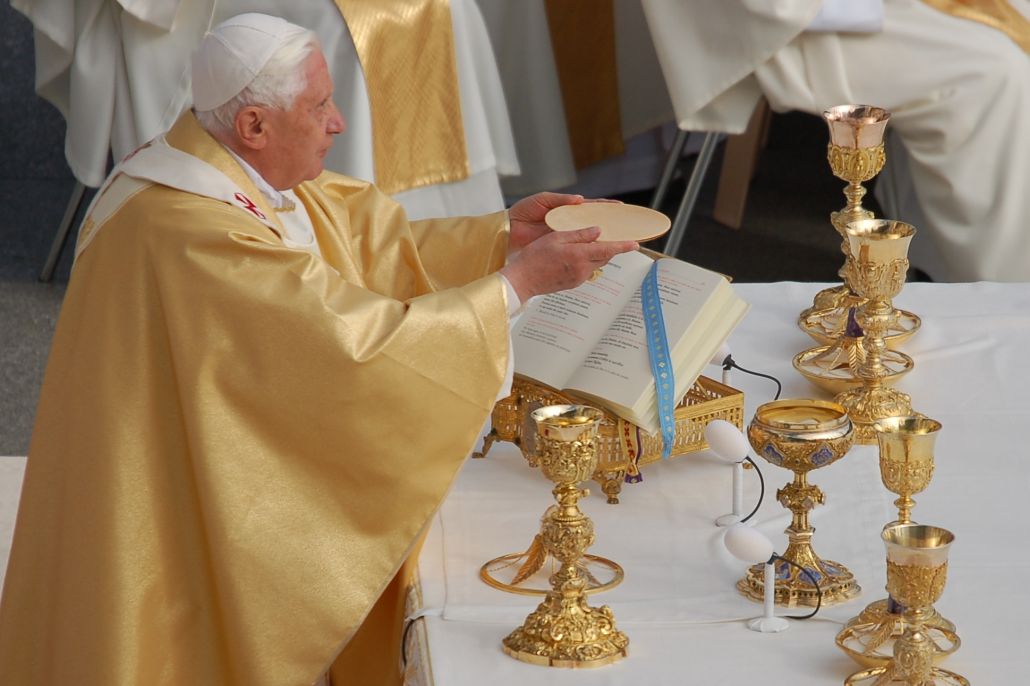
(252, 128)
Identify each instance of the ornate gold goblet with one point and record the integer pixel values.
(564, 631)
(917, 569)
(906, 467)
(878, 269)
(906, 458)
(856, 154)
(801, 435)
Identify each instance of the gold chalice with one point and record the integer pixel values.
(877, 271)
(906, 467)
(856, 154)
(917, 569)
(801, 435)
(564, 631)
(906, 458)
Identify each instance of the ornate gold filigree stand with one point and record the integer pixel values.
(917, 569)
(564, 631)
(856, 155)
(906, 468)
(801, 435)
(878, 269)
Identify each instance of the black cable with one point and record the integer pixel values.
(761, 494)
(811, 577)
(730, 363)
(404, 642)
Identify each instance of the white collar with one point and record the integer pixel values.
(276, 198)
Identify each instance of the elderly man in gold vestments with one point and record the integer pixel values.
(262, 384)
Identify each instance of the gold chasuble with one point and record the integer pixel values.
(998, 14)
(238, 443)
(583, 40)
(406, 50)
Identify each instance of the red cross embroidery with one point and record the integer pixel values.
(133, 153)
(249, 205)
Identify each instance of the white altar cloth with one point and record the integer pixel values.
(678, 604)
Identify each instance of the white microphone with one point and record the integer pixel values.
(729, 444)
(719, 359)
(752, 546)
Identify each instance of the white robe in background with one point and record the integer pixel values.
(119, 73)
(958, 92)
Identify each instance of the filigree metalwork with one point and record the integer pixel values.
(878, 274)
(564, 631)
(916, 586)
(801, 435)
(917, 570)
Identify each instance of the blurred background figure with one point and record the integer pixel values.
(955, 76)
(422, 96)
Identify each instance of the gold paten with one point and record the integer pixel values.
(877, 272)
(622, 447)
(856, 154)
(906, 467)
(564, 631)
(406, 50)
(801, 435)
(831, 367)
(917, 569)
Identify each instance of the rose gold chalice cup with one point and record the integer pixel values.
(917, 569)
(856, 154)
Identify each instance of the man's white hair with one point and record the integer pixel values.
(277, 85)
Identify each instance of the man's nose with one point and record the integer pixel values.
(336, 123)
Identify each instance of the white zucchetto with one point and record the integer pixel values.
(231, 55)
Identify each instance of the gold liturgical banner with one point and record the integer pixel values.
(995, 13)
(583, 40)
(406, 49)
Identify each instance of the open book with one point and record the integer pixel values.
(591, 340)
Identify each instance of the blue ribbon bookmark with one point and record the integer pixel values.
(658, 352)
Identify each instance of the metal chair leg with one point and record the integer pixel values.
(61, 237)
(669, 170)
(697, 177)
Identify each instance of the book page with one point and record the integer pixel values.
(557, 331)
(619, 368)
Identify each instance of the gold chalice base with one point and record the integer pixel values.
(794, 589)
(868, 639)
(866, 406)
(825, 326)
(875, 676)
(566, 632)
(521, 573)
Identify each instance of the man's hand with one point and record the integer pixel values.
(526, 217)
(560, 260)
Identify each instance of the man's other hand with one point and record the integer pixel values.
(526, 217)
(560, 260)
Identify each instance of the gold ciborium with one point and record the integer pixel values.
(801, 435)
(564, 631)
(906, 468)
(856, 154)
(877, 271)
(917, 569)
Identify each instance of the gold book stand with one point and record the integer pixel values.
(622, 447)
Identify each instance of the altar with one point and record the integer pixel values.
(678, 603)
